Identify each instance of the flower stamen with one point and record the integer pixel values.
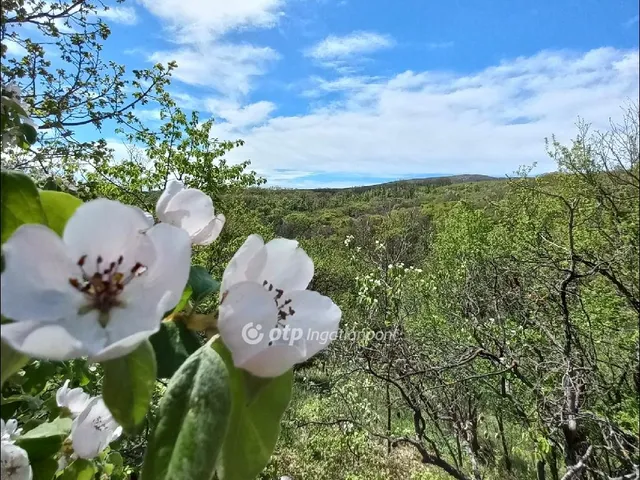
(103, 287)
(282, 312)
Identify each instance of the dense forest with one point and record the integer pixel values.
(489, 326)
(510, 317)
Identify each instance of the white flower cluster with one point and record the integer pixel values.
(93, 427)
(399, 268)
(92, 430)
(388, 282)
(103, 288)
(369, 287)
(14, 461)
(12, 93)
(348, 240)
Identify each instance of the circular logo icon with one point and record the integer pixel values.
(251, 334)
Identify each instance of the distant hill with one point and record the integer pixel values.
(434, 181)
(449, 180)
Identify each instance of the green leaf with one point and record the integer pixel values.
(44, 469)
(58, 208)
(31, 402)
(10, 362)
(115, 459)
(202, 283)
(45, 440)
(29, 132)
(257, 408)
(184, 300)
(19, 203)
(128, 385)
(173, 344)
(80, 469)
(192, 421)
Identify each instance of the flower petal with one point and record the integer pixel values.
(273, 361)
(108, 229)
(170, 272)
(122, 346)
(317, 316)
(287, 266)
(61, 394)
(209, 233)
(235, 272)
(172, 188)
(53, 341)
(92, 431)
(149, 296)
(35, 282)
(245, 318)
(75, 399)
(11, 428)
(116, 434)
(190, 209)
(146, 215)
(14, 463)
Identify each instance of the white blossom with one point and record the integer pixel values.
(11, 93)
(74, 400)
(191, 210)
(147, 216)
(94, 429)
(264, 286)
(348, 240)
(98, 291)
(14, 463)
(9, 431)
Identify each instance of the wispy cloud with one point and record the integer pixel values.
(439, 45)
(201, 21)
(631, 22)
(117, 14)
(238, 116)
(14, 49)
(205, 56)
(356, 43)
(429, 121)
(225, 67)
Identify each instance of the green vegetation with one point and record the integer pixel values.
(489, 327)
(509, 351)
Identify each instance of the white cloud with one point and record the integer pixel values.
(491, 121)
(228, 68)
(631, 22)
(148, 114)
(200, 21)
(341, 84)
(117, 14)
(14, 49)
(238, 116)
(185, 101)
(284, 178)
(439, 45)
(356, 43)
(204, 58)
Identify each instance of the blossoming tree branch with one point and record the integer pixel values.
(113, 284)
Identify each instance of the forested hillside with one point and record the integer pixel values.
(473, 327)
(504, 317)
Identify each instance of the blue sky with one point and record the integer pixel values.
(351, 92)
